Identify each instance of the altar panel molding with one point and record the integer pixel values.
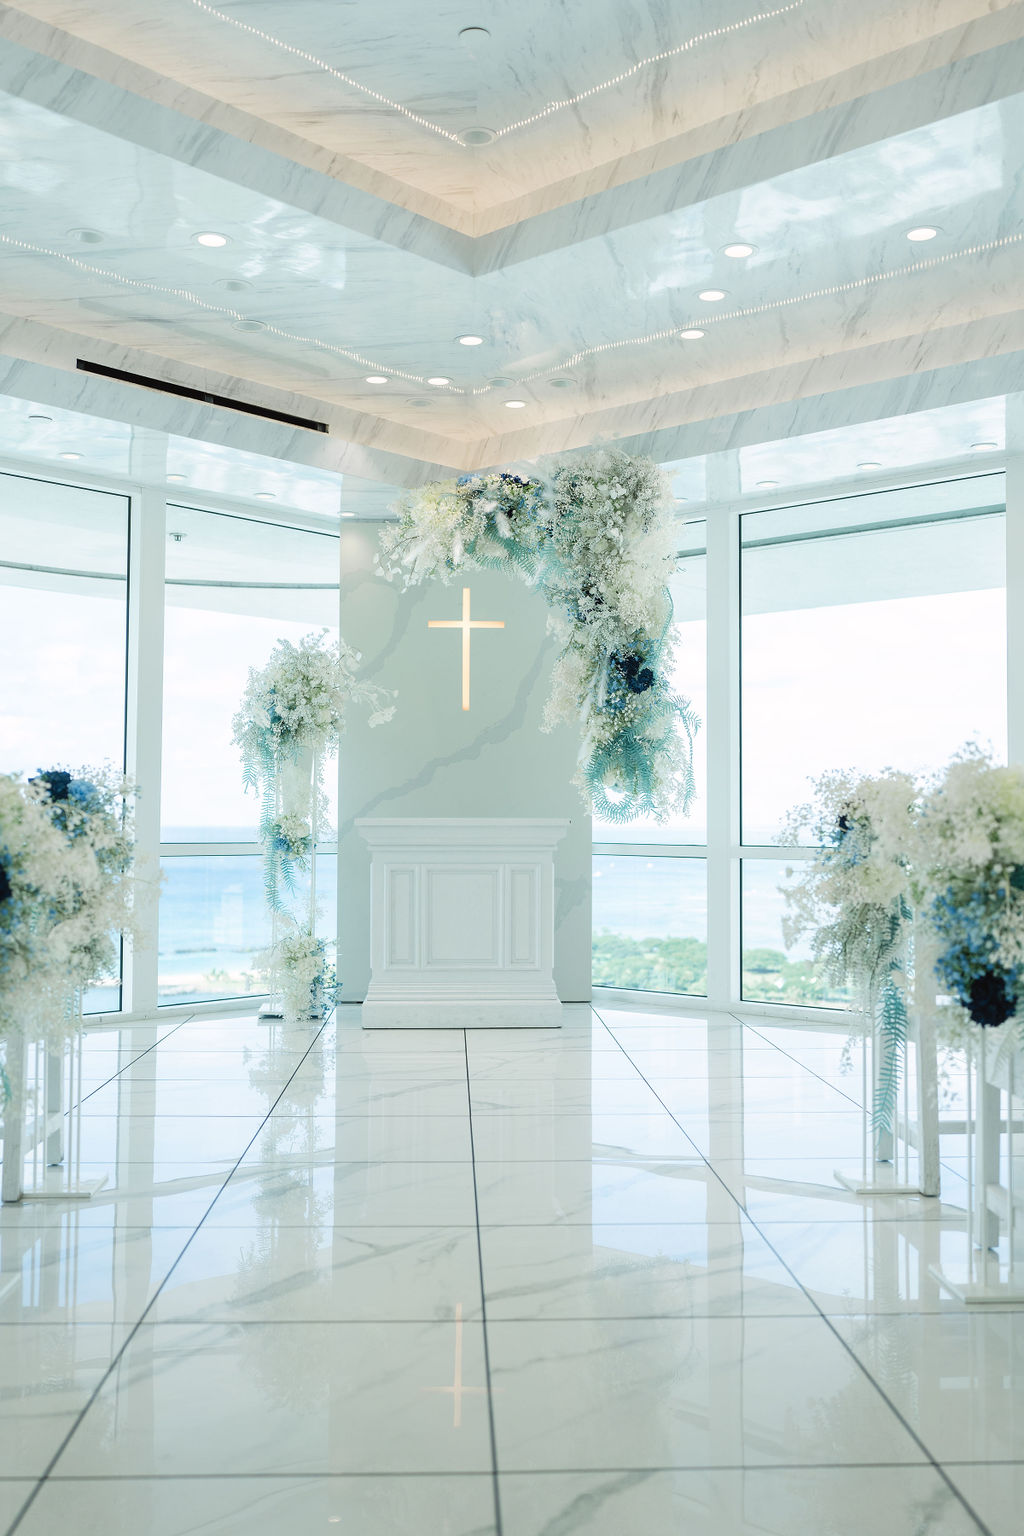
(461, 922)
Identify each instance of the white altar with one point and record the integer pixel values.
(461, 922)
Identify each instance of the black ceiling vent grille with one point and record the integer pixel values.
(204, 396)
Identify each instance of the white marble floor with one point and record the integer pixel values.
(597, 1281)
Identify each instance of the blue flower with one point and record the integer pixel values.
(991, 1001)
(57, 782)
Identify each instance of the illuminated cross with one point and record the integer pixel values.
(465, 624)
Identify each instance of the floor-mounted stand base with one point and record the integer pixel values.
(985, 1282)
(53, 1188)
(882, 1183)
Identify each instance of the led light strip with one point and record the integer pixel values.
(654, 58)
(523, 122)
(329, 69)
(187, 296)
(706, 322)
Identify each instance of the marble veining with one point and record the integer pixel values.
(686, 1325)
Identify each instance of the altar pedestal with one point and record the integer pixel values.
(461, 923)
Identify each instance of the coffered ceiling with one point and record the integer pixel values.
(625, 145)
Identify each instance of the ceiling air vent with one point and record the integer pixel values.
(183, 392)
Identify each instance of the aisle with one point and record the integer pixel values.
(344, 1280)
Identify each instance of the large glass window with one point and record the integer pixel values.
(63, 632)
(773, 972)
(234, 587)
(874, 635)
(214, 924)
(651, 923)
(63, 625)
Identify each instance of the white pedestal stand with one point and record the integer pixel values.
(53, 1135)
(461, 923)
(995, 1209)
(886, 1155)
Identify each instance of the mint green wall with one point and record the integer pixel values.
(433, 759)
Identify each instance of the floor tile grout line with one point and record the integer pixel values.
(496, 1489)
(795, 1059)
(134, 1328)
(769, 1468)
(825, 1318)
(135, 1059)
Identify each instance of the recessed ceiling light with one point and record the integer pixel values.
(691, 334)
(87, 236)
(265, 496)
(474, 137)
(559, 383)
(70, 455)
(922, 232)
(348, 514)
(376, 378)
(176, 478)
(469, 340)
(986, 445)
(739, 250)
(248, 325)
(499, 383)
(36, 417)
(869, 464)
(473, 35)
(713, 295)
(233, 284)
(767, 485)
(514, 405)
(439, 381)
(211, 238)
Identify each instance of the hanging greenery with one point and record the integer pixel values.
(595, 535)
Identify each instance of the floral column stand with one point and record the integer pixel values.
(292, 716)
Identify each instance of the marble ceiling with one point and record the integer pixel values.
(628, 143)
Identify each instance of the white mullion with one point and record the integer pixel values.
(227, 850)
(789, 854)
(144, 736)
(652, 850)
(1015, 578)
(723, 652)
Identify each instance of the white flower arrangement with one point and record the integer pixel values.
(950, 859)
(854, 902)
(854, 899)
(970, 857)
(305, 977)
(66, 893)
(596, 536)
(291, 718)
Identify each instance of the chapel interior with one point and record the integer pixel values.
(511, 768)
